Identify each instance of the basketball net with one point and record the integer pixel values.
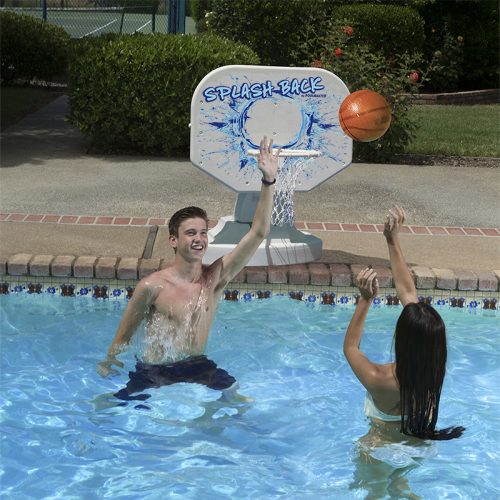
(291, 164)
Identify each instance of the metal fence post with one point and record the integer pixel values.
(176, 16)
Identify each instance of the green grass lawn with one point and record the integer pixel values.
(442, 130)
(456, 130)
(17, 102)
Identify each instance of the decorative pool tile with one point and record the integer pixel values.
(122, 290)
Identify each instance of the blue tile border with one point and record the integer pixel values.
(122, 290)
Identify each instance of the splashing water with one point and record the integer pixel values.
(164, 340)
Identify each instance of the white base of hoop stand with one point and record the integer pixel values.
(285, 245)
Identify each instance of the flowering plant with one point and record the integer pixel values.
(362, 67)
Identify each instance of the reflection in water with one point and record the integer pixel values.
(383, 459)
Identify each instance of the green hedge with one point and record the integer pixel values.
(132, 93)
(291, 32)
(31, 48)
(476, 22)
(281, 32)
(391, 29)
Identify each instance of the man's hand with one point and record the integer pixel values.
(104, 368)
(268, 162)
(393, 222)
(367, 283)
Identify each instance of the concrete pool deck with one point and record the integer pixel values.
(61, 207)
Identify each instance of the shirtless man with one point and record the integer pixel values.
(180, 301)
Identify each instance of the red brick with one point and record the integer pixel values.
(127, 268)
(446, 279)
(277, 274)
(104, 220)
(157, 222)
(472, 231)
(148, 266)
(487, 281)
(40, 265)
(318, 226)
(69, 219)
(489, 232)
(212, 223)
(424, 277)
(341, 275)
(319, 274)
(4, 216)
(86, 220)
(256, 274)
(331, 226)
(419, 229)
(17, 265)
(51, 218)
(139, 221)
(457, 231)
(240, 277)
(350, 227)
(84, 266)
(106, 267)
(384, 276)
(368, 228)
(437, 230)
(3, 265)
(467, 280)
(62, 265)
(16, 217)
(34, 218)
(300, 225)
(121, 221)
(298, 274)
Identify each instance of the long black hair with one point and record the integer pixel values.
(420, 347)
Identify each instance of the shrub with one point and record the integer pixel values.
(132, 93)
(446, 61)
(290, 32)
(278, 31)
(476, 21)
(391, 29)
(31, 48)
(361, 67)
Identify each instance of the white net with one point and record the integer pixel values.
(292, 163)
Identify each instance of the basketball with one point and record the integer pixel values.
(365, 115)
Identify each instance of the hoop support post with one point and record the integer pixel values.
(285, 244)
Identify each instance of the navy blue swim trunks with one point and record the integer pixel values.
(195, 369)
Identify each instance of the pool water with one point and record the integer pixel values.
(63, 436)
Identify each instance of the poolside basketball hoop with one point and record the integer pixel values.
(232, 108)
(291, 163)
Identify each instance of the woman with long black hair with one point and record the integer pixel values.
(407, 391)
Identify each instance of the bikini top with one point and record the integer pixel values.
(373, 412)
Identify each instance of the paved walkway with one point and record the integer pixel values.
(57, 199)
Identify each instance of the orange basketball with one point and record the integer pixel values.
(365, 115)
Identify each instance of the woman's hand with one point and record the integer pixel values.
(393, 222)
(367, 283)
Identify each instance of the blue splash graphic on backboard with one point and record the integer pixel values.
(226, 117)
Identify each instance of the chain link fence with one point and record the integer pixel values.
(81, 18)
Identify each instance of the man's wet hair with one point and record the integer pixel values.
(181, 215)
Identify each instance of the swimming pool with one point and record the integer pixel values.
(64, 438)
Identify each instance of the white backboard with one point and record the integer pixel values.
(233, 107)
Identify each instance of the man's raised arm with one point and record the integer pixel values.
(233, 262)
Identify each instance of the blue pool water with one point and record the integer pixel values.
(63, 436)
